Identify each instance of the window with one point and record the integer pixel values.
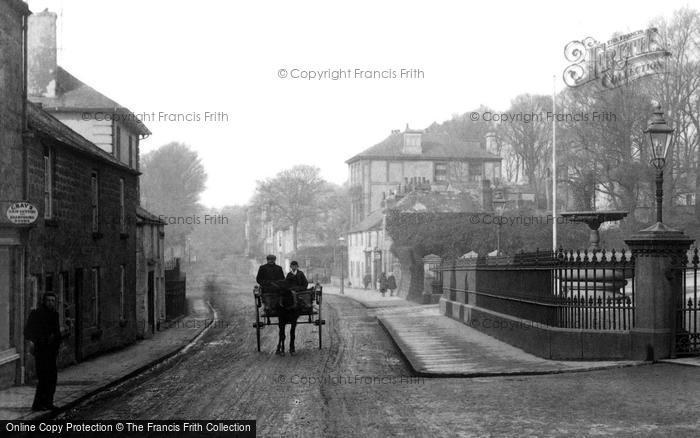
(48, 283)
(475, 171)
(122, 287)
(136, 153)
(49, 287)
(118, 143)
(122, 207)
(131, 151)
(48, 184)
(95, 298)
(440, 172)
(95, 191)
(153, 241)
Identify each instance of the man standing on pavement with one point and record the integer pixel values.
(366, 280)
(44, 334)
(382, 283)
(269, 272)
(391, 283)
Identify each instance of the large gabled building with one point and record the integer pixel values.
(413, 170)
(419, 156)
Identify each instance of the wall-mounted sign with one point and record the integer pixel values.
(22, 213)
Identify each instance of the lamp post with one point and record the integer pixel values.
(499, 202)
(341, 240)
(659, 135)
(658, 251)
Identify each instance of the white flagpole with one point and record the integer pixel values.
(554, 163)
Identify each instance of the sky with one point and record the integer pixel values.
(220, 64)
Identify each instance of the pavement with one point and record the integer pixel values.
(370, 298)
(693, 361)
(437, 346)
(81, 381)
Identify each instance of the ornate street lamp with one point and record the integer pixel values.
(341, 240)
(659, 136)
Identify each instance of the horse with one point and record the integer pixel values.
(288, 311)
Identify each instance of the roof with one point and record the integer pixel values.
(435, 145)
(421, 201)
(371, 222)
(74, 95)
(144, 216)
(47, 124)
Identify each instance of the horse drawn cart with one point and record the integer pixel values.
(306, 307)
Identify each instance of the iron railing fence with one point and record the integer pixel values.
(595, 289)
(687, 335)
(579, 289)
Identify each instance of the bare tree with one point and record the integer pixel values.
(529, 140)
(292, 196)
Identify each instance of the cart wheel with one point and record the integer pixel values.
(320, 330)
(257, 325)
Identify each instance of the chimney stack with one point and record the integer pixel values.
(412, 143)
(491, 143)
(41, 59)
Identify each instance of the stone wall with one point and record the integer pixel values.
(12, 122)
(66, 243)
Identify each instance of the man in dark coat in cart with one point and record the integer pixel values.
(44, 333)
(269, 272)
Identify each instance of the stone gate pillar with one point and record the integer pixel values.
(658, 287)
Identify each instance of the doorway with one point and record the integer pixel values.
(78, 311)
(151, 305)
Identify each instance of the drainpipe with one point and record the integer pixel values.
(25, 195)
(25, 130)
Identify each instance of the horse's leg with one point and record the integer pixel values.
(292, 331)
(280, 342)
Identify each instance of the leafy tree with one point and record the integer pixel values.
(293, 196)
(333, 218)
(173, 179)
(222, 236)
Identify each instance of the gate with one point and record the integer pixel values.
(687, 336)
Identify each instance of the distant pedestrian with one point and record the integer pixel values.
(366, 280)
(44, 334)
(383, 284)
(391, 283)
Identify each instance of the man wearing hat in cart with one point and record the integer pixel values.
(269, 272)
